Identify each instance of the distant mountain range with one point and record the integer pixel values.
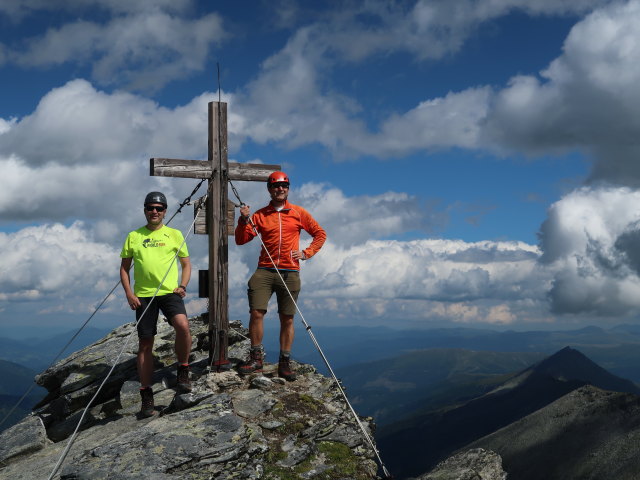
(37, 353)
(22, 360)
(427, 379)
(15, 381)
(616, 349)
(417, 443)
(15, 378)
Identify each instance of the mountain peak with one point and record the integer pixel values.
(565, 360)
(569, 364)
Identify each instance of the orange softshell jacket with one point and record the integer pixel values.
(280, 231)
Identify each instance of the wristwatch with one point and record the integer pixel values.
(182, 287)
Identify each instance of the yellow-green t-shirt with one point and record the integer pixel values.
(153, 251)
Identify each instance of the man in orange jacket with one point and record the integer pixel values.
(279, 225)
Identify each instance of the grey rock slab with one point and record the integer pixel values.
(165, 444)
(130, 395)
(271, 424)
(223, 380)
(188, 400)
(474, 464)
(61, 430)
(262, 383)
(27, 436)
(348, 433)
(296, 455)
(251, 403)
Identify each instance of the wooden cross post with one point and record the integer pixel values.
(216, 216)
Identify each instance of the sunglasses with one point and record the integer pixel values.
(279, 184)
(151, 208)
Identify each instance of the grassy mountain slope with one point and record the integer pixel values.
(416, 444)
(589, 433)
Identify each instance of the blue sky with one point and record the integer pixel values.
(473, 162)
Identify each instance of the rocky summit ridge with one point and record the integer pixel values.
(228, 427)
(589, 434)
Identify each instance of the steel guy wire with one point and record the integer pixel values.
(317, 345)
(117, 359)
(186, 201)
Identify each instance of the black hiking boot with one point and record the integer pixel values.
(253, 365)
(284, 369)
(184, 382)
(147, 408)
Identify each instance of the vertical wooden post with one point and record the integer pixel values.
(218, 244)
(215, 220)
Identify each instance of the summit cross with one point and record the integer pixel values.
(218, 213)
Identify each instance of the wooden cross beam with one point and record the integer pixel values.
(218, 170)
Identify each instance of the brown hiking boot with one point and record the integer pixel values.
(284, 369)
(147, 408)
(184, 382)
(253, 365)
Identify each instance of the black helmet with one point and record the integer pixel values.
(155, 197)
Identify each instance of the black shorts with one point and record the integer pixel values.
(170, 305)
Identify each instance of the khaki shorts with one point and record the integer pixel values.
(264, 282)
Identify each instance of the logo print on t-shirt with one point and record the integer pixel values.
(149, 242)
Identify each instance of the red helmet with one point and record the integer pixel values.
(276, 177)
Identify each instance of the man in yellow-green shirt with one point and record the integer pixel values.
(152, 250)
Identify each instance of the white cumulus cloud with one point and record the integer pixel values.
(586, 99)
(590, 242)
(137, 48)
(437, 270)
(55, 261)
(76, 123)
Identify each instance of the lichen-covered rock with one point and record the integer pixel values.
(229, 427)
